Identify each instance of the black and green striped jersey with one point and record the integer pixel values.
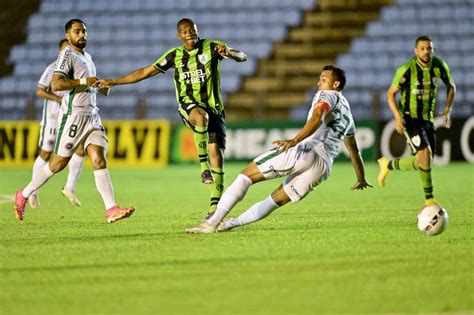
(196, 74)
(419, 87)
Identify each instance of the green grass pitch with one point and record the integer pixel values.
(336, 252)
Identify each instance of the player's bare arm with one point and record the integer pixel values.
(309, 128)
(132, 77)
(231, 53)
(449, 104)
(392, 103)
(61, 83)
(43, 93)
(357, 163)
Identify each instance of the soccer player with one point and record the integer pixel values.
(196, 66)
(80, 123)
(418, 81)
(48, 132)
(306, 160)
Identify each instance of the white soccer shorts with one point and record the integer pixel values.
(48, 133)
(76, 129)
(304, 167)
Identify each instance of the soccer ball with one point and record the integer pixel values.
(432, 220)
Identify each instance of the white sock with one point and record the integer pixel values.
(104, 186)
(75, 169)
(39, 162)
(255, 213)
(41, 176)
(233, 194)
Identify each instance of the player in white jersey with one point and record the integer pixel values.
(48, 133)
(80, 123)
(306, 159)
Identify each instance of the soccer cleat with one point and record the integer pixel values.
(34, 200)
(20, 204)
(206, 177)
(383, 170)
(116, 213)
(203, 228)
(431, 202)
(71, 196)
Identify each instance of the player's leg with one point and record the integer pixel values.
(217, 142)
(47, 140)
(96, 148)
(75, 169)
(258, 211)
(424, 159)
(232, 195)
(55, 165)
(42, 158)
(216, 157)
(199, 119)
(407, 163)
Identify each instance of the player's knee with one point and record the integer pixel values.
(57, 166)
(45, 155)
(98, 162)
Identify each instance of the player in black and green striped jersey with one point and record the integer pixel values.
(196, 66)
(418, 81)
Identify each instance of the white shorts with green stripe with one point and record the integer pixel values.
(304, 167)
(48, 133)
(77, 129)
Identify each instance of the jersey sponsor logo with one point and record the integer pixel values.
(65, 59)
(191, 77)
(203, 59)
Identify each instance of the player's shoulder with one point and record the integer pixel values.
(438, 61)
(213, 42)
(328, 96)
(407, 65)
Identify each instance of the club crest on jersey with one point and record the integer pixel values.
(416, 140)
(203, 59)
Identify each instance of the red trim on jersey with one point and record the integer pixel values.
(323, 105)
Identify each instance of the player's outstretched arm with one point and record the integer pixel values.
(60, 83)
(357, 163)
(231, 53)
(309, 128)
(132, 77)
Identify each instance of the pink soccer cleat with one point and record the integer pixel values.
(116, 213)
(20, 204)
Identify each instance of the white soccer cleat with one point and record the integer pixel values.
(71, 196)
(203, 228)
(34, 200)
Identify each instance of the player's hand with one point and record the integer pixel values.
(361, 185)
(446, 118)
(399, 125)
(284, 145)
(222, 50)
(103, 84)
(91, 81)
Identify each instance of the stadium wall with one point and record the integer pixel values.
(155, 143)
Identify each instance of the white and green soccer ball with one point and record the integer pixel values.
(432, 220)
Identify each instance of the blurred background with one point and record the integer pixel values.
(287, 42)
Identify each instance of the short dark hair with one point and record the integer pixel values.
(69, 23)
(423, 38)
(61, 42)
(184, 20)
(338, 73)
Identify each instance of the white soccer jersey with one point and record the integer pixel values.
(75, 65)
(50, 108)
(337, 123)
